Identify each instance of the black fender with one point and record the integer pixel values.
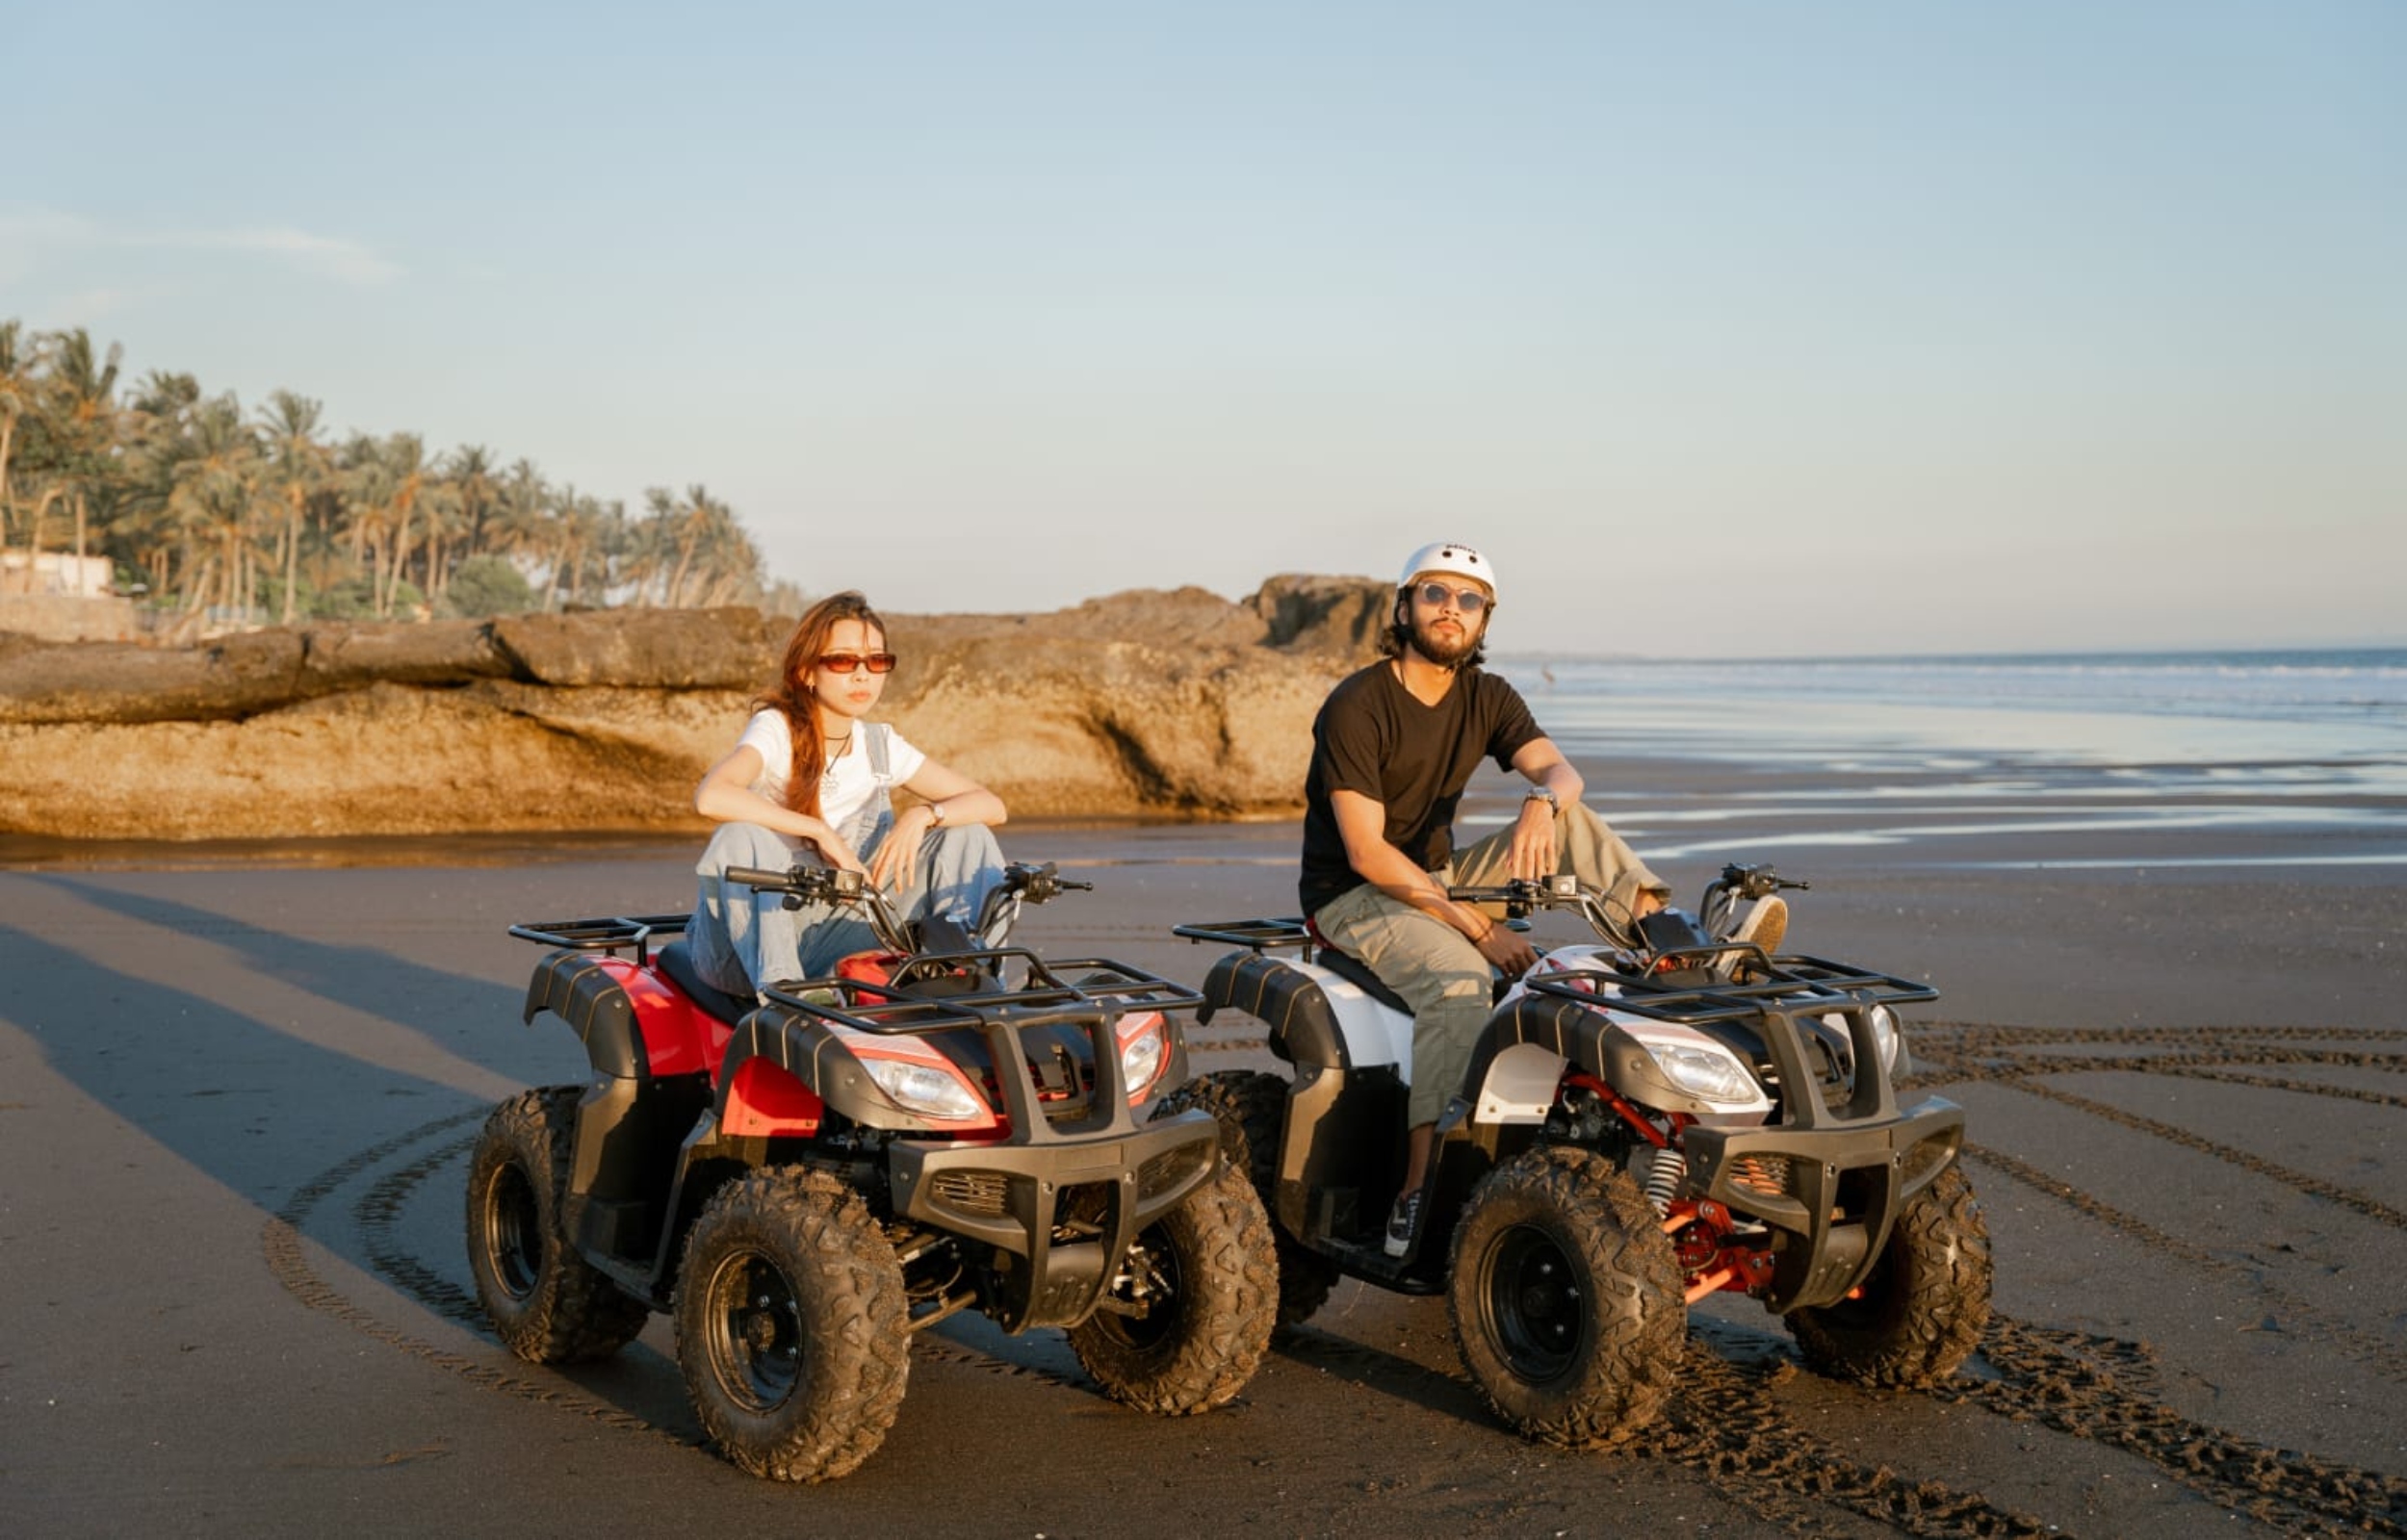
(1303, 1025)
(630, 1122)
(1586, 1039)
(576, 988)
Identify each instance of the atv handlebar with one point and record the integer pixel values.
(1023, 882)
(1755, 882)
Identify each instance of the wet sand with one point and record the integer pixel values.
(236, 1098)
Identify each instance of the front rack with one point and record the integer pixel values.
(612, 935)
(1046, 998)
(1796, 984)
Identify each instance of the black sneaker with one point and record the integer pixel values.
(1402, 1220)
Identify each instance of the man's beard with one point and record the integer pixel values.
(1438, 650)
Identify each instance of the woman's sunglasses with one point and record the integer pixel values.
(1469, 601)
(846, 662)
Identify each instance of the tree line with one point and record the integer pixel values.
(217, 516)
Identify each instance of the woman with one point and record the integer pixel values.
(808, 781)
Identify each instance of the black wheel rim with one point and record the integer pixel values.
(513, 1231)
(1536, 1311)
(1153, 1287)
(752, 1329)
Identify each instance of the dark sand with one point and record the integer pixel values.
(236, 1096)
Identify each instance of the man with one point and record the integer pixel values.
(1393, 749)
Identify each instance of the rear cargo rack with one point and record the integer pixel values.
(615, 934)
(1047, 998)
(1256, 936)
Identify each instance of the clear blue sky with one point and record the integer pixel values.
(1740, 328)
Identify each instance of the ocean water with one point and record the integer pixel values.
(2336, 708)
(2249, 756)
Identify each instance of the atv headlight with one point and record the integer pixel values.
(1884, 1032)
(1141, 1058)
(1885, 1036)
(925, 1090)
(1709, 1074)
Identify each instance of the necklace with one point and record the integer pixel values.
(827, 778)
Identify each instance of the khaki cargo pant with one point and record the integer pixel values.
(1437, 969)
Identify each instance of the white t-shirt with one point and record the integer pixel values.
(849, 783)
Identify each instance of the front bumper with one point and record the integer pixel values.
(1014, 1196)
(1831, 1192)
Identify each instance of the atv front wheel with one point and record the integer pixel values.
(1920, 1311)
(790, 1325)
(546, 1303)
(1250, 1107)
(1566, 1299)
(1188, 1319)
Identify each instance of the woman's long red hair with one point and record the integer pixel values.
(794, 697)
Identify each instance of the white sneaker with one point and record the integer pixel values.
(1766, 925)
(1402, 1220)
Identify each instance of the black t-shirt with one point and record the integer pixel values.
(1374, 737)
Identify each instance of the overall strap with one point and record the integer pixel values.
(876, 815)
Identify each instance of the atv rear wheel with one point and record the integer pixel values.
(790, 1325)
(1922, 1309)
(1566, 1299)
(1250, 1107)
(546, 1303)
(1204, 1280)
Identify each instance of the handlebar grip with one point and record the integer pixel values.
(758, 877)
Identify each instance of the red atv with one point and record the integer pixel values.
(807, 1182)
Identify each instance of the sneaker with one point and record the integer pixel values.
(1402, 1220)
(1766, 924)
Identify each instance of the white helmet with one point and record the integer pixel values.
(1449, 556)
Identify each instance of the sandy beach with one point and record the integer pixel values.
(237, 1089)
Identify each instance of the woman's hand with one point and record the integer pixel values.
(898, 855)
(821, 835)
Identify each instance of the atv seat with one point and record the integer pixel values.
(676, 961)
(1354, 970)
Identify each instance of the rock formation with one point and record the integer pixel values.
(1146, 702)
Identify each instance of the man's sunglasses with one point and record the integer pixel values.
(846, 662)
(1469, 601)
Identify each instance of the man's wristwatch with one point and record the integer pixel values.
(1544, 794)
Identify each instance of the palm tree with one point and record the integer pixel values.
(19, 395)
(34, 453)
(198, 472)
(679, 542)
(522, 525)
(584, 532)
(154, 430)
(299, 468)
(85, 420)
(470, 472)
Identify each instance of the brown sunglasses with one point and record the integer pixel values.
(846, 662)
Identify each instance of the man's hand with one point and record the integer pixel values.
(1505, 949)
(1533, 853)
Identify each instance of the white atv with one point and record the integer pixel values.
(1644, 1122)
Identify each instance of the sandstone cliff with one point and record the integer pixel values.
(1145, 702)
